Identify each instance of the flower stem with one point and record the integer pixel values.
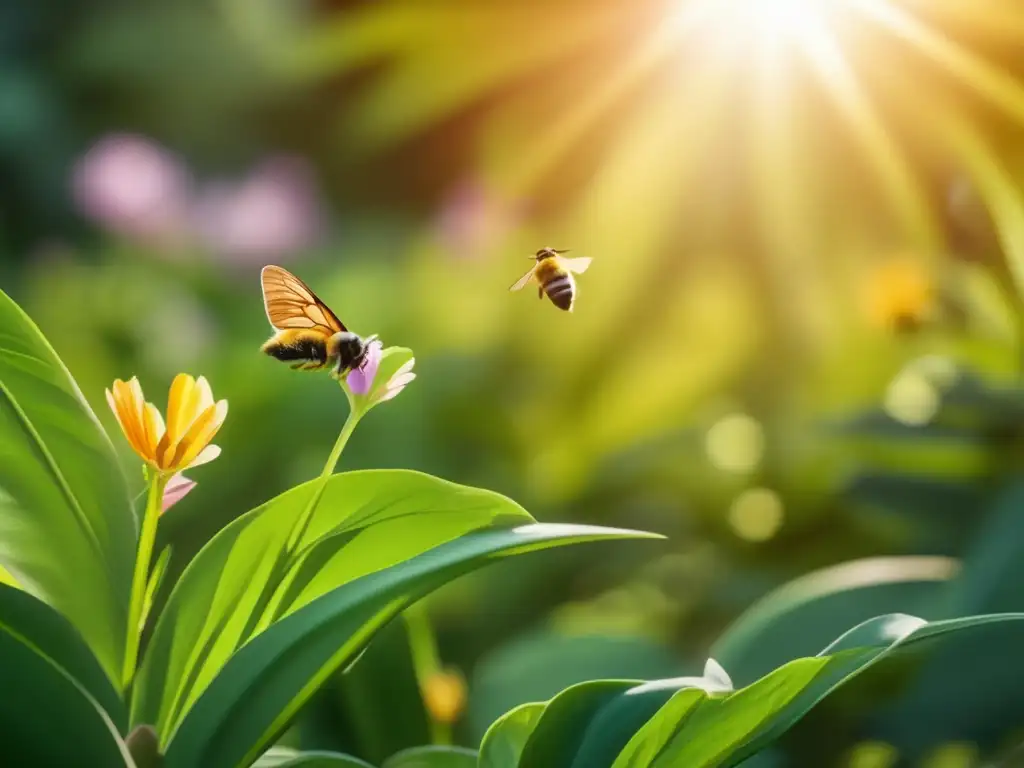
(425, 662)
(339, 445)
(143, 557)
(299, 528)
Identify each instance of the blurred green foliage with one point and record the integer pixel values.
(720, 380)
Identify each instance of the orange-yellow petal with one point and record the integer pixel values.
(208, 454)
(116, 408)
(153, 427)
(178, 416)
(130, 410)
(200, 434)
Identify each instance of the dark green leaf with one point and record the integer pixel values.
(284, 757)
(432, 757)
(560, 730)
(504, 741)
(46, 717)
(67, 522)
(52, 635)
(803, 615)
(538, 665)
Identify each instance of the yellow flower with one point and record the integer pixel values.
(900, 296)
(444, 694)
(193, 419)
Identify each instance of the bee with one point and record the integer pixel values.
(554, 276)
(307, 333)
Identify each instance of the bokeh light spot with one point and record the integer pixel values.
(953, 755)
(735, 443)
(872, 754)
(756, 514)
(912, 398)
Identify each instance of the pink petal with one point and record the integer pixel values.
(394, 387)
(177, 488)
(360, 380)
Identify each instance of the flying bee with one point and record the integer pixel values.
(307, 333)
(554, 276)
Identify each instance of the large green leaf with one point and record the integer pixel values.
(372, 709)
(67, 530)
(262, 686)
(46, 717)
(538, 665)
(613, 726)
(805, 614)
(283, 757)
(704, 731)
(50, 634)
(360, 522)
(432, 757)
(560, 730)
(505, 740)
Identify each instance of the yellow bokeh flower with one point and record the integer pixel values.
(193, 419)
(444, 694)
(900, 295)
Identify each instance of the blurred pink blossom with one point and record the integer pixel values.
(268, 215)
(474, 218)
(133, 187)
(177, 488)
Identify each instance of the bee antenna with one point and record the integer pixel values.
(561, 250)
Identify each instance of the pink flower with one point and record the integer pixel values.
(266, 216)
(133, 187)
(177, 488)
(398, 381)
(360, 380)
(394, 363)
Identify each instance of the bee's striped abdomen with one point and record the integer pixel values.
(303, 351)
(561, 289)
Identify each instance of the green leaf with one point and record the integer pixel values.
(263, 685)
(361, 522)
(700, 730)
(993, 566)
(504, 741)
(614, 725)
(68, 530)
(803, 615)
(432, 757)
(46, 716)
(374, 708)
(52, 635)
(538, 665)
(558, 734)
(285, 757)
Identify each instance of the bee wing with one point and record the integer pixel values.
(578, 265)
(291, 304)
(522, 282)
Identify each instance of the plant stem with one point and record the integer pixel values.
(143, 557)
(425, 662)
(339, 445)
(302, 522)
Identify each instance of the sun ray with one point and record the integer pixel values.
(997, 188)
(898, 181)
(1000, 88)
(565, 129)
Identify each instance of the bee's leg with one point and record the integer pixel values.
(540, 292)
